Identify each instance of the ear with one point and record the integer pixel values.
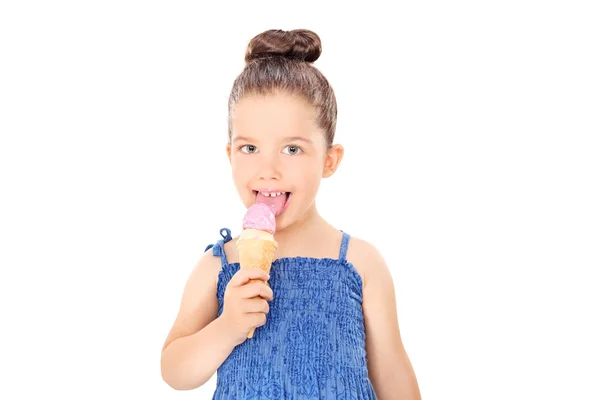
(332, 160)
(228, 150)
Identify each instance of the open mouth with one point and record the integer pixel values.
(277, 200)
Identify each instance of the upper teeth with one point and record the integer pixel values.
(272, 194)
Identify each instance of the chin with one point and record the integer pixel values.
(281, 225)
(284, 220)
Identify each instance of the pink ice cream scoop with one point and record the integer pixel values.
(260, 216)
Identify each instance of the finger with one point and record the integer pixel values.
(258, 319)
(244, 275)
(264, 290)
(254, 289)
(267, 293)
(257, 305)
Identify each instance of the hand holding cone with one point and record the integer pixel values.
(256, 244)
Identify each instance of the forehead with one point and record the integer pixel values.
(273, 115)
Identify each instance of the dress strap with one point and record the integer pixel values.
(217, 248)
(344, 246)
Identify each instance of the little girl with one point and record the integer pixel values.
(326, 323)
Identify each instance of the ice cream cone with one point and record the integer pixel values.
(256, 244)
(256, 253)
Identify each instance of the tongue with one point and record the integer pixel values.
(276, 202)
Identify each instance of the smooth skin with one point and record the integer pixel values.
(275, 145)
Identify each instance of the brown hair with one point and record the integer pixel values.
(279, 60)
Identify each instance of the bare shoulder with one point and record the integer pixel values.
(366, 258)
(199, 304)
(389, 367)
(231, 250)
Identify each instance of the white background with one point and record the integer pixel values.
(472, 162)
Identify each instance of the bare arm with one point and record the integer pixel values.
(197, 344)
(390, 369)
(189, 362)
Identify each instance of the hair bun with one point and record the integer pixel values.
(299, 44)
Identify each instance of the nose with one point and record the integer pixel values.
(269, 168)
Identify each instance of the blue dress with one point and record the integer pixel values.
(313, 343)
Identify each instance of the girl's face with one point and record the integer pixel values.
(276, 147)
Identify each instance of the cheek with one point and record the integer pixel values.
(239, 172)
(308, 176)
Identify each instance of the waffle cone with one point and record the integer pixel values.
(256, 253)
